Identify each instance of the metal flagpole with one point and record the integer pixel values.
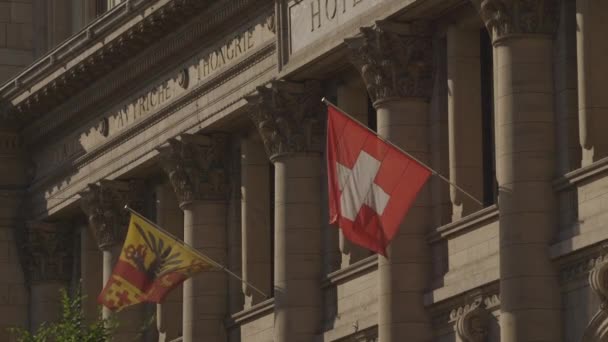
(199, 253)
(327, 102)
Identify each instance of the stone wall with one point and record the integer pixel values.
(15, 37)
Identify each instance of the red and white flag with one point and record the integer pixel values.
(372, 184)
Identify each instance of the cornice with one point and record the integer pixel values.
(184, 42)
(360, 267)
(252, 313)
(483, 216)
(581, 175)
(449, 311)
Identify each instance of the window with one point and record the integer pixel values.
(487, 108)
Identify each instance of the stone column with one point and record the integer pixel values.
(464, 119)
(92, 276)
(103, 204)
(170, 217)
(395, 63)
(48, 256)
(522, 34)
(287, 116)
(255, 219)
(592, 49)
(352, 98)
(196, 166)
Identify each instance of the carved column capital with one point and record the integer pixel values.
(505, 18)
(196, 166)
(48, 252)
(598, 279)
(104, 204)
(472, 319)
(287, 116)
(394, 59)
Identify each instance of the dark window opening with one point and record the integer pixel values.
(372, 119)
(101, 7)
(487, 108)
(271, 175)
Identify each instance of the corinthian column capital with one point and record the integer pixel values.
(196, 166)
(515, 17)
(104, 205)
(394, 59)
(48, 252)
(287, 116)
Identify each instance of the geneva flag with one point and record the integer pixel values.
(372, 184)
(150, 265)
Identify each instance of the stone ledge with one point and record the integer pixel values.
(464, 224)
(360, 267)
(251, 313)
(580, 175)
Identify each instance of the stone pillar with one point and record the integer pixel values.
(592, 49)
(395, 63)
(48, 256)
(196, 166)
(103, 204)
(464, 119)
(16, 37)
(91, 274)
(13, 310)
(287, 116)
(522, 34)
(170, 217)
(255, 219)
(352, 98)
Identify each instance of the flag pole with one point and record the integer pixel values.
(199, 253)
(327, 102)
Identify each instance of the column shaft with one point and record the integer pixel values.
(297, 265)
(530, 297)
(464, 119)
(205, 295)
(592, 49)
(45, 303)
(404, 276)
(92, 276)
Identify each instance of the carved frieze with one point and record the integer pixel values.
(48, 252)
(394, 59)
(472, 319)
(512, 17)
(597, 329)
(287, 116)
(196, 166)
(104, 203)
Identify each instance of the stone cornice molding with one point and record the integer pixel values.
(104, 202)
(47, 252)
(367, 335)
(472, 319)
(394, 59)
(597, 329)
(122, 33)
(287, 116)
(505, 18)
(196, 166)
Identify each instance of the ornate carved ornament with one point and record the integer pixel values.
(472, 319)
(394, 59)
(104, 203)
(367, 335)
(512, 17)
(48, 252)
(597, 329)
(196, 166)
(287, 116)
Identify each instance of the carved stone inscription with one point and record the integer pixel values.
(313, 19)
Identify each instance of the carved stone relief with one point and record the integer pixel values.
(48, 252)
(196, 166)
(510, 17)
(597, 329)
(287, 116)
(472, 320)
(394, 59)
(104, 203)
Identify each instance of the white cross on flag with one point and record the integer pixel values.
(372, 184)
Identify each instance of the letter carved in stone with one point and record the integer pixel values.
(287, 116)
(510, 17)
(48, 252)
(104, 203)
(196, 166)
(395, 60)
(597, 329)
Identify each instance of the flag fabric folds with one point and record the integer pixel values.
(150, 265)
(372, 184)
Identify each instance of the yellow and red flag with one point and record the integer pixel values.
(151, 264)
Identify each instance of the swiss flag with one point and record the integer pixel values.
(372, 184)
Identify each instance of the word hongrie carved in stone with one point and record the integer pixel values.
(104, 203)
(394, 59)
(47, 252)
(287, 116)
(196, 166)
(510, 17)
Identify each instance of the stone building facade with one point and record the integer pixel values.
(206, 117)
